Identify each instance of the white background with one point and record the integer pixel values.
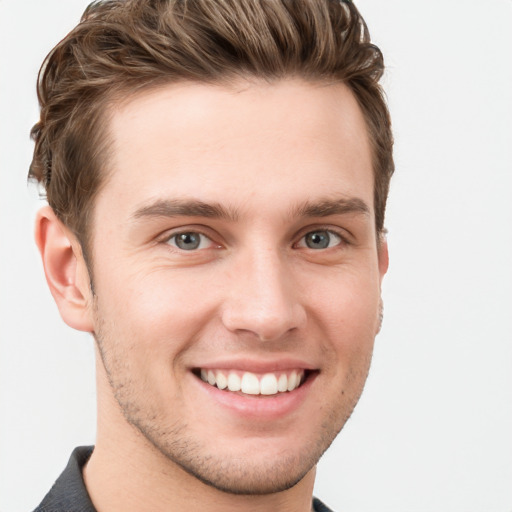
(433, 431)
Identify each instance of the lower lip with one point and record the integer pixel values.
(259, 407)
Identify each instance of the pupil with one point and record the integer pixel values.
(318, 240)
(188, 241)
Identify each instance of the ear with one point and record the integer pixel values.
(383, 256)
(65, 270)
(383, 261)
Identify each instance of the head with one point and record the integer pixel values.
(220, 170)
(123, 47)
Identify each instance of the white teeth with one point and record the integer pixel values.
(268, 384)
(292, 381)
(234, 382)
(282, 383)
(251, 384)
(222, 381)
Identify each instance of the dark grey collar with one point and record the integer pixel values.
(69, 494)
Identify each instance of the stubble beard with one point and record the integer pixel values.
(227, 474)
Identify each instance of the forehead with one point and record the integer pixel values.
(252, 144)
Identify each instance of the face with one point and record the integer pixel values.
(237, 276)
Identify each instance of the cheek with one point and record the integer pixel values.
(347, 321)
(349, 304)
(156, 311)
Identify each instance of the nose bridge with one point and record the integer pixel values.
(263, 297)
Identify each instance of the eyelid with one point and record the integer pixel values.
(343, 234)
(203, 240)
(169, 234)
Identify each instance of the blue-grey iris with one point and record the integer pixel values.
(188, 241)
(318, 239)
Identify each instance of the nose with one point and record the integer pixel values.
(263, 299)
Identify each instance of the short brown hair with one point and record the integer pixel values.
(120, 47)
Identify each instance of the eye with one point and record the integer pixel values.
(190, 241)
(320, 239)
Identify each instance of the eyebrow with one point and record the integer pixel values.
(196, 208)
(328, 207)
(185, 208)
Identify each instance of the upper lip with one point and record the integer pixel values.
(257, 366)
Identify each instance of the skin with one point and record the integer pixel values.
(274, 162)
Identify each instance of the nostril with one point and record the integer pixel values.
(268, 306)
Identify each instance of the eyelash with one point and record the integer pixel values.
(175, 236)
(342, 239)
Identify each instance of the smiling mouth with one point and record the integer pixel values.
(267, 384)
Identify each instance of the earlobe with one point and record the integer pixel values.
(383, 256)
(65, 270)
(383, 261)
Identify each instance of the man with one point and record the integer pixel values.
(217, 173)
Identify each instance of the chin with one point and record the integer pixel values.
(259, 468)
(249, 477)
